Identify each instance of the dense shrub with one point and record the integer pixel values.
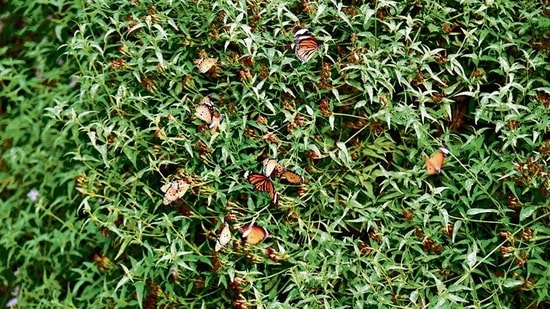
(98, 113)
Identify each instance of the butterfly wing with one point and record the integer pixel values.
(292, 177)
(279, 169)
(253, 234)
(435, 163)
(205, 112)
(430, 167)
(263, 183)
(174, 190)
(270, 165)
(207, 100)
(205, 64)
(224, 238)
(274, 198)
(216, 121)
(305, 45)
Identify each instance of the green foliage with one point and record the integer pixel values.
(98, 113)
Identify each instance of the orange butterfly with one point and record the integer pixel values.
(263, 183)
(305, 45)
(292, 177)
(435, 163)
(205, 64)
(253, 234)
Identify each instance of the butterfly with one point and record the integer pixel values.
(435, 163)
(272, 167)
(205, 64)
(263, 183)
(174, 190)
(205, 112)
(253, 234)
(224, 238)
(292, 177)
(305, 45)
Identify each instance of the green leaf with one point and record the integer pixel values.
(477, 211)
(526, 212)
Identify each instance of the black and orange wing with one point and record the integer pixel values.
(263, 183)
(305, 45)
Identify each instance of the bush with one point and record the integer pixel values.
(98, 109)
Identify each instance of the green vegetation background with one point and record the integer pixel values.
(97, 103)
